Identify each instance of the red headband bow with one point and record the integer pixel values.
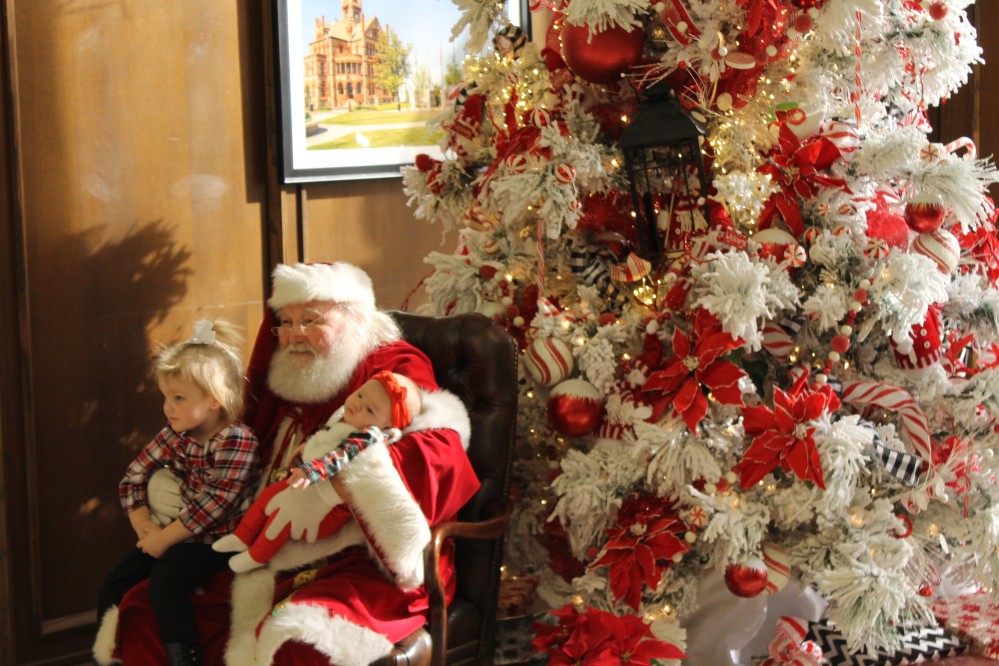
(397, 396)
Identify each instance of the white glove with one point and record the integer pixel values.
(302, 508)
(163, 496)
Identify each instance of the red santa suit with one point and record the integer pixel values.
(255, 532)
(348, 598)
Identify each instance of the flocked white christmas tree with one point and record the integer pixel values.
(797, 377)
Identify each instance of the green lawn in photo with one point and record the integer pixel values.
(410, 136)
(370, 117)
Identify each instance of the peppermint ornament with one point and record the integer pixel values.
(794, 256)
(941, 246)
(565, 173)
(516, 163)
(575, 408)
(548, 361)
(877, 248)
(777, 340)
(541, 118)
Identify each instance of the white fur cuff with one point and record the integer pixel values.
(390, 516)
(104, 643)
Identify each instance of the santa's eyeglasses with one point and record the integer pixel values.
(302, 328)
(309, 323)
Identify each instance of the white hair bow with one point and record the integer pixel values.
(203, 333)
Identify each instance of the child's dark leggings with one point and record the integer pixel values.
(183, 568)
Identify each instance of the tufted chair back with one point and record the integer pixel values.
(476, 360)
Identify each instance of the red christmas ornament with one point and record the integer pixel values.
(938, 10)
(575, 408)
(803, 23)
(924, 213)
(808, 4)
(601, 57)
(748, 578)
(840, 343)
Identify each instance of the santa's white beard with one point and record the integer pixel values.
(313, 377)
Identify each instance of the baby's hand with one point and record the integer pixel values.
(297, 478)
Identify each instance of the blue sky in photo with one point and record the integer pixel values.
(425, 24)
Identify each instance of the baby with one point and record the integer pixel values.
(376, 412)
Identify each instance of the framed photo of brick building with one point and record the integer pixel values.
(359, 81)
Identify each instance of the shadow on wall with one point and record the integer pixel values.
(96, 402)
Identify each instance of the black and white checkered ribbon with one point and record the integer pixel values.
(592, 270)
(906, 467)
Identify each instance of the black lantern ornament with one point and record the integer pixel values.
(669, 186)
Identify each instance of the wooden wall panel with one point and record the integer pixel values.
(141, 135)
(367, 223)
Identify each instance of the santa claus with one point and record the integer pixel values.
(347, 598)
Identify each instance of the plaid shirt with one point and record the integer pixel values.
(216, 478)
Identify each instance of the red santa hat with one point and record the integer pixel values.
(338, 282)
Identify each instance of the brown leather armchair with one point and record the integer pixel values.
(477, 361)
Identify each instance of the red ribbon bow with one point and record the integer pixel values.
(797, 166)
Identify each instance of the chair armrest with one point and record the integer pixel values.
(491, 528)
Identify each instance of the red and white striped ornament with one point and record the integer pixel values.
(516, 163)
(541, 118)
(565, 173)
(941, 246)
(548, 361)
(776, 340)
(778, 565)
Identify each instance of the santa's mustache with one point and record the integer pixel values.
(301, 347)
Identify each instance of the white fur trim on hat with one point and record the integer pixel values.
(338, 282)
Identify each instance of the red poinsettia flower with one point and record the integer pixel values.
(798, 168)
(783, 437)
(599, 638)
(641, 545)
(695, 366)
